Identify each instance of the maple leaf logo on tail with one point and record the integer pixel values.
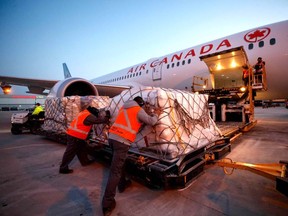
(257, 35)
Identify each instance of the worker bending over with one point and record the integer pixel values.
(121, 134)
(77, 134)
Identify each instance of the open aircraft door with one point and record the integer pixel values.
(225, 67)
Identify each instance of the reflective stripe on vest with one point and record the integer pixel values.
(77, 128)
(126, 124)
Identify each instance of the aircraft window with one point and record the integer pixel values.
(130, 75)
(134, 75)
(172, 65)
(178, 63)
(261, 43)
(168, 66)
(146, 71)
(250, 46)
(272, 41)
(183, 62)
(189, 61)
(140, 73)
(137, 74)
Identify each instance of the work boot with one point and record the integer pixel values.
(108, 210)
(65, 171)
(123, 184)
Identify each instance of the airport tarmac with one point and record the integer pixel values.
(31, 185)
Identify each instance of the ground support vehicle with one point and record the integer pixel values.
(21, 122)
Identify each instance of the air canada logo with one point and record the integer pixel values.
(257, 35)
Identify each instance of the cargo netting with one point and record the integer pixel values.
(59, 112)
(184, 124)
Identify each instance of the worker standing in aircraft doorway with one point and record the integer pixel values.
(77, 133)
(121, 134)
(259, 69)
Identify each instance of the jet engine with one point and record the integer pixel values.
(73, 86)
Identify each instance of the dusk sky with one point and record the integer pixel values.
(96, 37)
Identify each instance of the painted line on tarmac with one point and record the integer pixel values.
(18, 147)
(5, 131)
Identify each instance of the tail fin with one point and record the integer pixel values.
(66, 71)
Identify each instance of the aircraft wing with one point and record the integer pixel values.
(35, 86)
(38, 86)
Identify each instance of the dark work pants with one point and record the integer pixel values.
(116, 171)
(74, 147)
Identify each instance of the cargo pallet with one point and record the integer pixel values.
(174, 173)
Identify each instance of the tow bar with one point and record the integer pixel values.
(275, 171)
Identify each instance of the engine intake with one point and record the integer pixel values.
(73, 86)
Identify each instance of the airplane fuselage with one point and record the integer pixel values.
(177, 70)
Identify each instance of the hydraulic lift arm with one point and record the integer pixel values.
(273, 171)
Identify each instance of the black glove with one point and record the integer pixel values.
(107, 114)
(93, 111)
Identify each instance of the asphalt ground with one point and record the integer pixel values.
(31, 185)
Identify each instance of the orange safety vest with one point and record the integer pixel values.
(126, 124)
(245, 73)
(77, 128)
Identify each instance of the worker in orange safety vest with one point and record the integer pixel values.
(121, 134)
(77, 133)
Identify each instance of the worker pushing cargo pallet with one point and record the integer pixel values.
(171, 154)
(173, 149)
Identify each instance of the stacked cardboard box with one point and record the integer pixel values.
(59, 112)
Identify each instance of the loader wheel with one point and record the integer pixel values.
(15, 130)
(33, 130)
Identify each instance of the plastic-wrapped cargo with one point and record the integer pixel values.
(59, 112)
(184, 125)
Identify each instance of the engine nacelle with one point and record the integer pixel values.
(73, 86)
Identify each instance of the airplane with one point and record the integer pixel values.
(191, 69)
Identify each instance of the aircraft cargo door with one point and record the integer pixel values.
(226, 67)
(157, 72)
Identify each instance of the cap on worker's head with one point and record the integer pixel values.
(93, 110)
(38, 104)
(139, 100)
(245, 66)
(259, 58)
